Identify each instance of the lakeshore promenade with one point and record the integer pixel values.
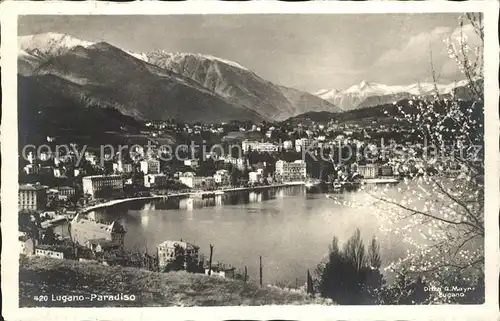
(189, 194)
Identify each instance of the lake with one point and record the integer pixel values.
(289, 227)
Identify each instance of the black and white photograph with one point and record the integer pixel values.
(264, 159)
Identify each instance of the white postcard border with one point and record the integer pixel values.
(10, 265)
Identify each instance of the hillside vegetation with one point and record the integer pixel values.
(46, 276)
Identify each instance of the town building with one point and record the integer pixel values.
(240, 162)
(191, 180)
(95, 184)
(91, 158)
(122, 167)
(291, 171)
(386, 170)
(32, 197)
(221, 270)
(150, 166)
(254, 177)
(155, 180)
(222, 177)
(26, 244)
(31, 169)
(193, 163)
(65, 192)
(303, 144)
(83, 230)
(368, 171)
(287, 144)
(167, 249)
(248, 145)
(48, 252)
(101, 245)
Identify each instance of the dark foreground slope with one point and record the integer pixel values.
(45, 276)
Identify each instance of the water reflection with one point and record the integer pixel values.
(290, 228)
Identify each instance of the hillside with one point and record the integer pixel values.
(111, 77)
(40, 276)
(44, 111)
(160, 85)
(238, 84)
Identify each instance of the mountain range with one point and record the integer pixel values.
(154, 85)
(370, 94)
(61, 71)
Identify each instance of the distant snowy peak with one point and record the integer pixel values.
(327, 93)
(49, 43)
(366, 93)
(370, 88)
(52, 43)
(366, 89)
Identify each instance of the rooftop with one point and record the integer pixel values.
(170, 243)
(32, 187)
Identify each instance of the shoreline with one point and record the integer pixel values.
(194, 193)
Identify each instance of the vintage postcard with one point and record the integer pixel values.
(266, 160)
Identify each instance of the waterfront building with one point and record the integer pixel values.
(166, 251)
(32, 197)
(222, 177)
(83, 230)
(368, 171)
(155, 180)
(150, 166)
(95, 184)
(254, 177)
(291, 171)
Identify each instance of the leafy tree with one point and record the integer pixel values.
(350, 275)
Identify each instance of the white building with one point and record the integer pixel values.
(368, 171)
(97, 183)
(193, 163)
(293, 171)
(31, 169)
(254, 177)
(91, 158)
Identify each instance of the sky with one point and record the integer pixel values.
(307, 52)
